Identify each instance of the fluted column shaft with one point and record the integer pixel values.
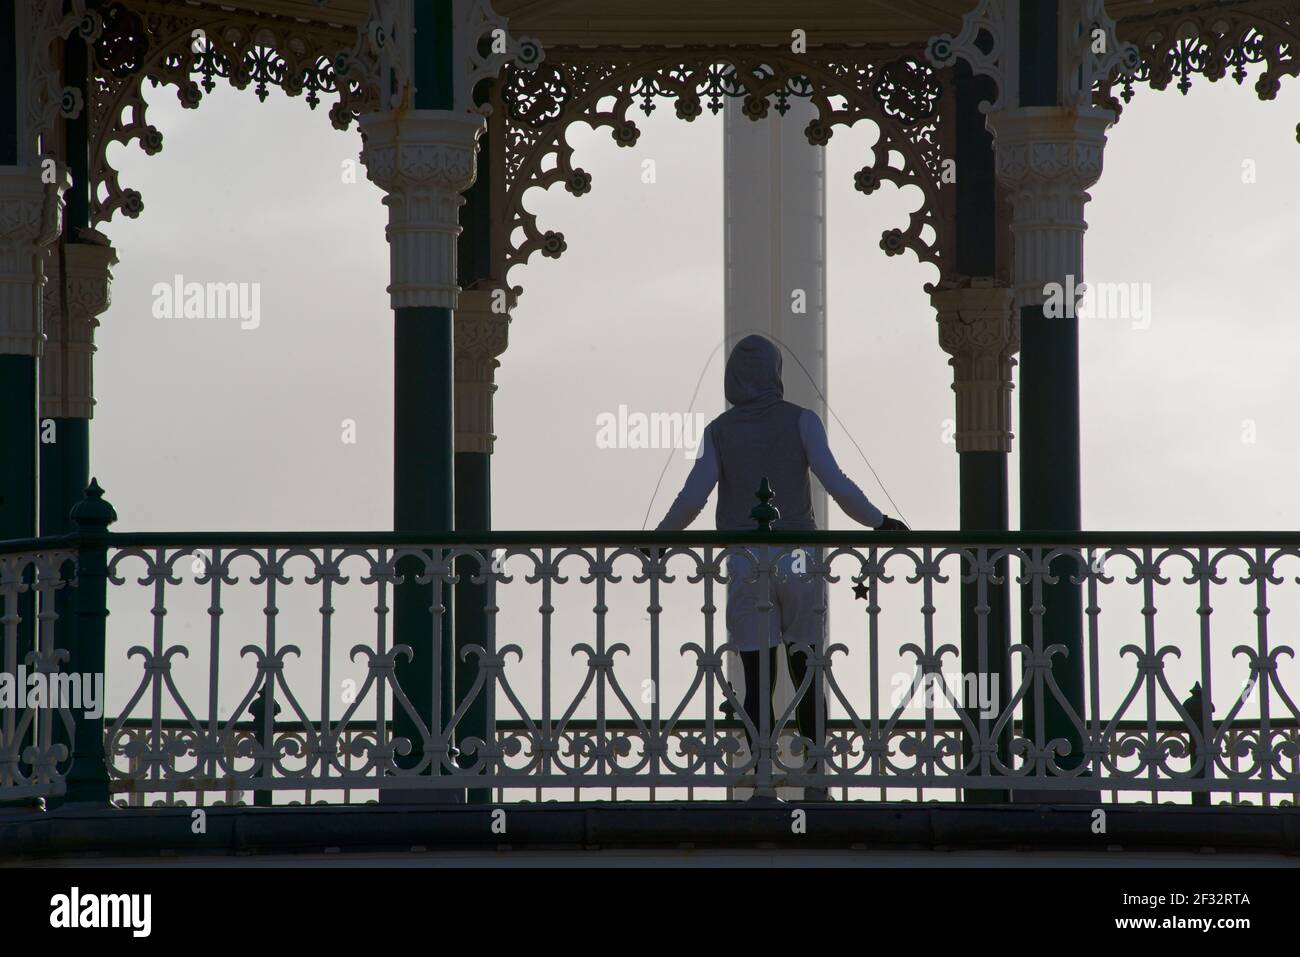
(980, 330)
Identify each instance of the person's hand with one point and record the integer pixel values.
(892, 525)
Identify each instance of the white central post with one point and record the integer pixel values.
(774, 188)
(775, 234)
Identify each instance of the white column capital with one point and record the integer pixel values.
(1047, 157)
(67, 389)
(979, 327)
(424, 160)
(481, 327)
(30, 219)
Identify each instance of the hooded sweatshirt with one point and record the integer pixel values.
(763, 436)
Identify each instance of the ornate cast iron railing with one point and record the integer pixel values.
(281, 667)
(34, 729)
(132, 739)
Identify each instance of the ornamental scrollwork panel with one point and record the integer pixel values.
(189, 48)
(1214, 41)
(47, 25)
(533, 106)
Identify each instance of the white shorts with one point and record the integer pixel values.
(798, 601)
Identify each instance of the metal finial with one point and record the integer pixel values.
(1196, 705)
(93, 512)
(764, 512)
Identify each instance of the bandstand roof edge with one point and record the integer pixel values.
(342, 13)
(729, 22)
(585, 23)
(578, 35)
(667, 22)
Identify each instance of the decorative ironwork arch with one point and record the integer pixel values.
(904, 97)
(188, 47)
(1214, 41)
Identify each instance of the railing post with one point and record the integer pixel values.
(1200, 711)
(764, 514)
(257, 710)
(88, 774)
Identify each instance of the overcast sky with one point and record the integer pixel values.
(203, 424)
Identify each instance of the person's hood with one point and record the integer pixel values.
(753, 377)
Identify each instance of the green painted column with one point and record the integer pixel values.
(975, 324)
(88, 775)
(29, 221)
(983, 505)
(978, 328)
(482, 322)
(1049, 149)
(64, 475)
(481, 335)
(76, 292)
(21, 194)
(434, 72)
(422, 502)
(1039, 59)
(18, 470)
(18, 449)
(1050, 501)
(65, 471)
(17, 370)
(10, 116)
(473, 514)
(423, 155)
(1050, 481)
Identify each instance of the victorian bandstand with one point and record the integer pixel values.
(476, 693)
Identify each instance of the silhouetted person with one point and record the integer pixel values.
(762, 435)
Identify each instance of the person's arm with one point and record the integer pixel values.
(839, 486)
(695, 493)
